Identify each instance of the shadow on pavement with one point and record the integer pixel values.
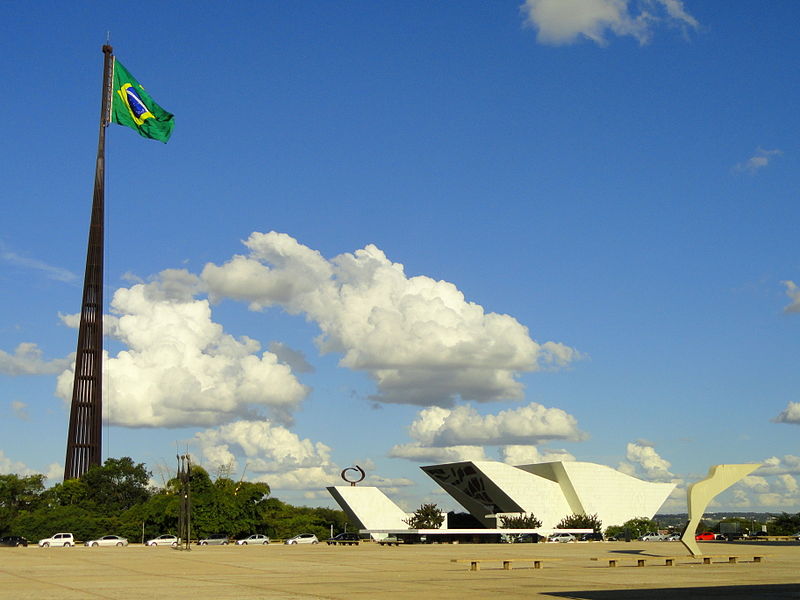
(691, 593)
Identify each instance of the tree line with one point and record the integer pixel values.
(117, 498)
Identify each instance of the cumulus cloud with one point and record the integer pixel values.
(642, 460)
(565, 21)
(791, 414)
(531, 424)
(8, 465)
(757, 491)
(294, 358)
(788, 464)
(417, 452)
(525, 455)
(450, 435)
(27, 360)
(794, 294)
(180, 368)
(271, 452)
(419, 339)
(758, 161)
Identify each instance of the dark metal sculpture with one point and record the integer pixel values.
(351, 481)
(185, 513)
(84, 438)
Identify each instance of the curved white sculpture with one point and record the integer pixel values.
(700, 493)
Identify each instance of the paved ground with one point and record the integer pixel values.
(415, 571)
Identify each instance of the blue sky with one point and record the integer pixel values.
(398, 233)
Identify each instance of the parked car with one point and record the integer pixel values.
(653, 537)
(591, 537)
(215, 539)
(256, 538)
(706, 535)
(674, 537)
(303, 538)
(60, 539)
(163, 540)
(13, 541)
(796, 536)
(562, 537)
(107, 540)
(343, 538)
(528, 538)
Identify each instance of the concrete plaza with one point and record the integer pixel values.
(413, 571)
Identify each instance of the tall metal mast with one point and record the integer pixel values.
(84, 439)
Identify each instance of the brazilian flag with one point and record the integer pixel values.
(133, 107)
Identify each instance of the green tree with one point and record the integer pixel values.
(522, 521)
(18, 494)
(784, 524)
(427, 516)
(581, 522)
(635, 527)
(118, 484)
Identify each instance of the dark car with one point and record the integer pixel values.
(591, 537)
(528, 538)
(346, 539)
(13, 540)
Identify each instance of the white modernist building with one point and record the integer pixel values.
(550, 491)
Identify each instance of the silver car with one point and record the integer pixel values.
(256, 538)
(215, 539)
(303, 538)
(107, 540)
(163, 540)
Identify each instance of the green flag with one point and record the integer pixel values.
(133, 107)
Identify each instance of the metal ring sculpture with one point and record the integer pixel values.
(351, 481)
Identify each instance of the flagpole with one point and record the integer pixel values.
(84, 438)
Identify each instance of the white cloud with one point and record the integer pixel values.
(791, 414)
(419, 339)
(758, 161)
(27, 360)
(787, 464)
(530, 425)
(451, 435)
(417, 452)
(294, 358)
(757, 491)
(54, 473)
(524, 455)
(642, 460)
(794, 294)
(7, 466)
(564, 21)
(51, 272)
(180, 367)
(20, 410)
(272, 454)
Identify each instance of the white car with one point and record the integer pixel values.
(303, 538)
(60, 539)
(107, 540)
(163, 540)
(653, 537)
(561, 537)
(257, 538)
